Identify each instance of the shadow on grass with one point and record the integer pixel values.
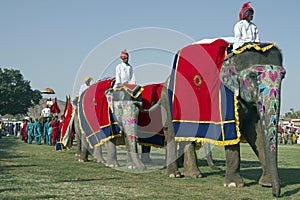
(9, 189)
(6, 155)
(286, 176)
(291, 192)
(252, 171)
(222, 163)
(85, 180)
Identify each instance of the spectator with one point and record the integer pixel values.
(124, 71)
(29, 131)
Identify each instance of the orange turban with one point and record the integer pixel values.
(124, 54)
(245, 10)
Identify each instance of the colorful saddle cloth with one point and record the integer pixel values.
(133, 90)
(99, 124)
(94, 115)
(150, 128)
(202, 108)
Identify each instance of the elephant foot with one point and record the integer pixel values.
(131, 167)
(112, 165)
(265, 182)
(234, 182)
(172, 170)
(175, 175)
(99, 160)
(141, 167)
(194, 175)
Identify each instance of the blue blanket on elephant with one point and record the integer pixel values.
(202, 108)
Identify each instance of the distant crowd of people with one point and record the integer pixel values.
(288, 134)
(43, 130)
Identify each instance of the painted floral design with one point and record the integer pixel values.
(269, 79)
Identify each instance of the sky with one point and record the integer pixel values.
(56, 43)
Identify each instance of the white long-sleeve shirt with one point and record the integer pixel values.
(124, 74)
(245, 31)
(82, 88)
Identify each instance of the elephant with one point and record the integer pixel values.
(94, 129)
(255, 77)
(119, 102)
(125, 107)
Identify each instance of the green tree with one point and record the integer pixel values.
(16, 95)
(292, 114)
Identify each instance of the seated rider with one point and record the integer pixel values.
(245, 31)
(124, 71)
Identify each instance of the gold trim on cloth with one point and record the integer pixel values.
(255, 46)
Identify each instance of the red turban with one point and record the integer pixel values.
(245, 10)
(124, 54)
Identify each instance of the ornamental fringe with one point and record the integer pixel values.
(255, 46)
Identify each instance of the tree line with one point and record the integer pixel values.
(16, 94)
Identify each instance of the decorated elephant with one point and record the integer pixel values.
(251, 77)
(97, 125)
(129, 113)
(125, 102)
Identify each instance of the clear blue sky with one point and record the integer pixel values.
(50, 40)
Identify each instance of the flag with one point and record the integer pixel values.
(67, 126)
(54, 108)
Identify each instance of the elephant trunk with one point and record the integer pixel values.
(271, 151)
(269, 110)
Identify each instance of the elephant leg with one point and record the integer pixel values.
(83, 155)
(171, 163)
(256, 143)
(98, 155)
(171, 156)
(84, 151)
(111, 160)
(233, 159)
(78, 142)
(190, 161)
(133, 160)
(180, 154)
(145, 157)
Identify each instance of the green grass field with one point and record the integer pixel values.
(39, 172)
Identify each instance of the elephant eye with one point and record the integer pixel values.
(252, 75)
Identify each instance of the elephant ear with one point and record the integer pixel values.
(248, 84)
(230, 78)
(241, 83)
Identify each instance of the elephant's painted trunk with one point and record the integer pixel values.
(269, 84)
